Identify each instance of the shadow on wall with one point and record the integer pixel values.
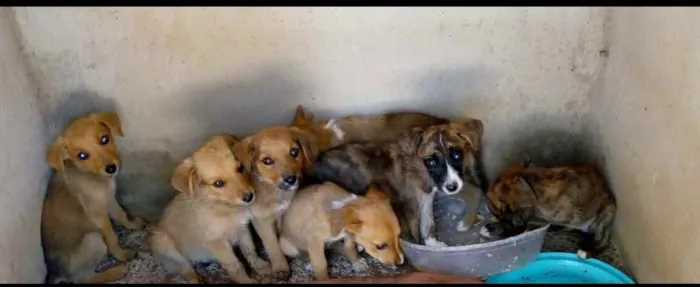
(545, 143)
(65, 108)
(241, 106)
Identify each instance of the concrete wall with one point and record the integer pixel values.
(180, 75)
(23, 173)
(648, 115)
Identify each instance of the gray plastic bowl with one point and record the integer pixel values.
(477, 260)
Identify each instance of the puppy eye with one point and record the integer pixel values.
(294, 152)
(219, 183)
(381, 246)
(431, 162)
(83, 156)
(104, 140)
(268, 161)
(456, 154)
(240, 169)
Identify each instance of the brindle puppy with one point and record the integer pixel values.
(411, 169)
(574, 196)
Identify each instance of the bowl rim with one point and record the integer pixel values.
(572, 257)
(478, 247)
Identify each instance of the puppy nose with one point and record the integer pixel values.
(292, 179)
(248, 197)
(452, 186)
(111, 169)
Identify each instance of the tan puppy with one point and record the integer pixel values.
(574, 196)
(277, 158)
(75, 221)
(202, 222)
(358, 128)
(325, 213)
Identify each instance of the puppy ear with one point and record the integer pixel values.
(302, 116)
(526, 195)
(111, 120)
(417, 137)
(470, 130)
(56, 154)
(244, 151)
(184, 177)
(351, 220)
(309, 146)
(229, 139)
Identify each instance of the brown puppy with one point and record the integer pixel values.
(357, 128)
(574, 196)
(75, 221)
(202, 222)
(277, 158)
(411, 168)
(326, 213)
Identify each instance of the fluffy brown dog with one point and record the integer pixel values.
(574, 196)
(358, 128)
(277, 158)
(75, 222)
(203, 221)
(411, 168)
(326, 213)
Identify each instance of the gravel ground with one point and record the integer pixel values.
(144, 269)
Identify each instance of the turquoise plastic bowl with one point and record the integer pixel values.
(560, 267)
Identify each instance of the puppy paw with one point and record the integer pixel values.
(192, 278)
(281, 272)
(261, 267)
(432, 242)
(484, 232)
(321, 276)
(582, 254)
(123, 255)
(360, 265)
(462, 227)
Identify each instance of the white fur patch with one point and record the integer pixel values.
(484, 232)
(360, 248)
(461, 227)
(432, 242)
(338, 204)
(425, 216)
(452, 177)
(332, 124)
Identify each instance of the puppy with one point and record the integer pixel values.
(357, 128)
(277, 158)
(203, 220)
(323, 214)
(75, 222)
(574, 196)
(411, 168)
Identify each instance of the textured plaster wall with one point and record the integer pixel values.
(180, 75)
(23, 174)
(648, 116)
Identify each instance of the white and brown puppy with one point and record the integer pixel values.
(413, 168)
(325, 213)
(361, 128)
(277, 158)
(203, 221)
(76, 229)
